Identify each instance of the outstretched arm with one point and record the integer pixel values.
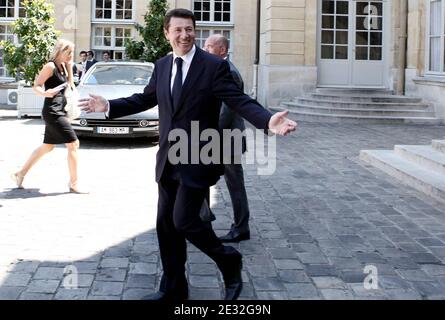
(226, 89)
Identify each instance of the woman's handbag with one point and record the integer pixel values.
(72, 99)
(71, 107)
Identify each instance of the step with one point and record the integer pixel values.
(328, 118)
(363, 105)
(425, 156)
(358, 111)
(439, 145)
(354, 91)
(365, 98)
(424, 180)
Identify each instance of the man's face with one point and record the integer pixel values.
(90, 56)
(106, 56)
(181, 35)
(212, 46)
(83, 57)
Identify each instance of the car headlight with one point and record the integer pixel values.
(146, 123)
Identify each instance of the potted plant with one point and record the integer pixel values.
(37, 36)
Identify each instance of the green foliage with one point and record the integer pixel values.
(37, 36)
(156, 45)
(134, 49)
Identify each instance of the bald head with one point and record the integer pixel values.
(218, 45)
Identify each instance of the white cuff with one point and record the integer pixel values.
(107, 113)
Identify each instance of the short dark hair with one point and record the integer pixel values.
(91, 52)
(107, 52)
(82, 52)
(179, 13)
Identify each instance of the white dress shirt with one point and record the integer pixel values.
(187, 61)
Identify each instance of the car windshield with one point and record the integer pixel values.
(120, 75)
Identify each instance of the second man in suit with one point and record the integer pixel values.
(218, 45)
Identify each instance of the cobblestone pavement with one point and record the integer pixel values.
(316, 223)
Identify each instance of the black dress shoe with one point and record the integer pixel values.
(232, 279)
(164, 297)
(235, 237)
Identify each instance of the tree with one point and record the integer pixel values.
(156, 45)
(37, 36)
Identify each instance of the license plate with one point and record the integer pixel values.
(113, 130)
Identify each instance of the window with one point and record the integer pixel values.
(213, 16)
(203, 34)
(111, 38)
(213, 10)
(435, 37)
(113, 9)
(11, 9)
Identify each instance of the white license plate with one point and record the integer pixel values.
(113, 130)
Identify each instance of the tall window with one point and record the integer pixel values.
(10, 10)
(113, 9)
(213, 16)
(113, 23)
(435, 37)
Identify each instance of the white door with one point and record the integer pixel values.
(352, 43)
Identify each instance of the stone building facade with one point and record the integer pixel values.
(285, 48)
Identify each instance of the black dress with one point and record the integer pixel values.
(57, 126)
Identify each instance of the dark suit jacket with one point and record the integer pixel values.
(208, 83)
(90, 63)
(229, 119)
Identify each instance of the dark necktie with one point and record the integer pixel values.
(177, 84)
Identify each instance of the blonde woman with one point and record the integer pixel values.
(51, 82)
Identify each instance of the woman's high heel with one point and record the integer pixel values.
(18, 179)
(74, 189)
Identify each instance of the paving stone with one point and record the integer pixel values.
(336, 294)
(14, 279)
(48, 273)
(429, 290)
(114, 263)
(10, 293)
(434, 269)
(111, 274)
(414, 275)
(309, 258)
(267, 270)
(392, 282)
(141, 281)
(352, 276)
(267, 284)
(205, 294)
(43, 286)
(36, 296)
(302, 291)
(283, 253)
(293, 276)
(272, 295)
(403, 294)
(86, 267)
(204, 281)
(430, 242)
(143, 268)
(24, 267)
(424, 258)
(203, 269)
(105, 288)
(329, 283)
(72, 294)
(319, 270)
(136, 293)
(288, 264)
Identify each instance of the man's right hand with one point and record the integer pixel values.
(93, 104)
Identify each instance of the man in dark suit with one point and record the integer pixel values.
(189, 86)
(218, 45)
(91, 61)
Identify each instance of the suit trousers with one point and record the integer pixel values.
(234, 176)
(178, 220)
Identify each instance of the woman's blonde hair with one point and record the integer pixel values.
(61, 46)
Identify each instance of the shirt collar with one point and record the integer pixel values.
(188, 57)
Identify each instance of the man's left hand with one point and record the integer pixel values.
(280, 125)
